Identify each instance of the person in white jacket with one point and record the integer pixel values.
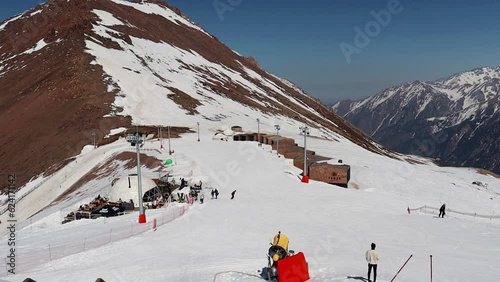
(372, 259)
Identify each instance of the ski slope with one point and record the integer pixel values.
(227, 240)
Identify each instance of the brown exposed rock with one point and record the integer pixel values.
(253, 62)
(128, 161)
(184, 100)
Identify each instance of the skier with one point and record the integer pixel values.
(232, 194)
(372, 259)
(442, 211)
(201, 198)
(213, 193)
(216, 192)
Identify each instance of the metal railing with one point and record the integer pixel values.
(64, 244)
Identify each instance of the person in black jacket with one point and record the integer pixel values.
(232, 194)
(442, 211)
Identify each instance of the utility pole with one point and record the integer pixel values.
(277, 139)
(169, 150)
(142, 215)
(198, 131)
(93, 134)
(305, 176)
(258, 133)
(161, 140)
(137, 141)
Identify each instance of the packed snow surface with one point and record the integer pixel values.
(332, 226)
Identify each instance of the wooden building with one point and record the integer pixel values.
(298, 162)
(330, 173)
(256, 137)
(317, 167)
(283, 141)
(288, 147)
(244, 137)
(299, 153)
(266, 137)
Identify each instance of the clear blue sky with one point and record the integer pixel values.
(300, 40)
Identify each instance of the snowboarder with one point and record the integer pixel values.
(216, 192)
(372, 259)
(232, 194)
(442, 211)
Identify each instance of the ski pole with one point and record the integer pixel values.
(431, 268)
(401, 268)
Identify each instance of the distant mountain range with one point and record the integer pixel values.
(456, 119)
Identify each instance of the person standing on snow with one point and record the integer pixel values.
(442, 211)
(212, 193)
(232, 194)
(216, 192)
(372, 259)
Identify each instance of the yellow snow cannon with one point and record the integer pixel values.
(281, 262)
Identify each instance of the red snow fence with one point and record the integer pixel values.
(293, 269)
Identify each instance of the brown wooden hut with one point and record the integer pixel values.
(288, 147)
(239, 137)
(282, 142)
(298, 153)
(261, 138)
(299, 161)
(330, 173)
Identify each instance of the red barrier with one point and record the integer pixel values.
(293, 269)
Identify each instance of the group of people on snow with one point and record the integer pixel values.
(215, 193)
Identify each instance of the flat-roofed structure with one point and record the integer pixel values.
(330, 173)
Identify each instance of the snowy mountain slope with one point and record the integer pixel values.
(116, 64)
(99, 65)
(332, 226)
(439, 119)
